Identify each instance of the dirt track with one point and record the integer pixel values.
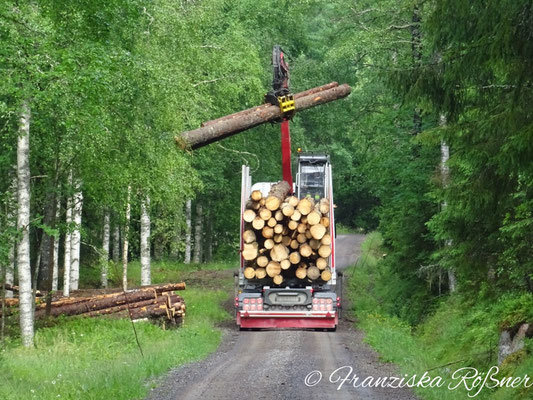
(274, 364)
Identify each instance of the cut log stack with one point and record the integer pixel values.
(154, 302)
(286, 238)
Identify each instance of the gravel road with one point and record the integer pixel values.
(274, 364)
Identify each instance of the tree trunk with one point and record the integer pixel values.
(94, 304)
(23, 226)
(68, 245)
(416, 51)
(452, 280)
(277, 194)
(47, 246)
(197, 257)
(116, 243)
(445, 177)
(75, 240)
(209, 239)
(125, 243)
(256, 116)
(145, 242)
(262, 106)
(187, 258)
(9, 277)
(55, 272)
(104, 257)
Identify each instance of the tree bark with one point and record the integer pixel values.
(187, 258)
(145, 242)
(209, 239)
(263, 106)
(90, 305)
(12, 223)
(445, 176)
(416, 48)
(277, 194)
(47, 246)
(23, 226)
(125, 242)
(55, 271)
(68, 245)
(75, 239)
(254, 117)
(104, 257)
(197, 257)
(116, 243)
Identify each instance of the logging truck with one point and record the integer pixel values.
(288, 279)
(287, 276)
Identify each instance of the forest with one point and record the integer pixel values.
(433, 149)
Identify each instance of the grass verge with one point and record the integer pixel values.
(461, 332)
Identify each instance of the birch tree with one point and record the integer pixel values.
(9, 273)
(445, 177)
(116, 243)
(104, 257)
(197, 257)
(23, 225)
(75, 243)
(55, 273)
(145, 242)
(125, 241)
(187, 258)
(67, 245)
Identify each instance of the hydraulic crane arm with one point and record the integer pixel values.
(281, 96)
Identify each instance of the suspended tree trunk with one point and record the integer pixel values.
(187, 259)
(230, 125)
(23, 226)
(55, 272)
(445, 176)
(68, 244)
(197, 257)
(75, 241)
(145, 242)
(125, 242)
(104, 257)
(116, 243)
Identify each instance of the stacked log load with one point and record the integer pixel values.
(285, 237)
(154, 302)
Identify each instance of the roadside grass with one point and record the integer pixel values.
(98, 358)
(463, 331)
(341, 229)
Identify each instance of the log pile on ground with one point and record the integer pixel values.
(153, 302)
(286, 238)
